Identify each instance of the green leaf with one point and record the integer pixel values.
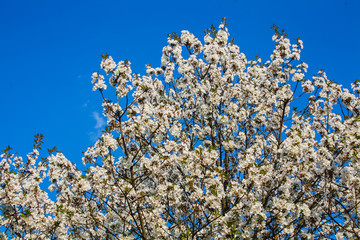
(127, 190)
(213, 191)
(104, 56)
(26, 214)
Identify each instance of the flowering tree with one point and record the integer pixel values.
(208, 146)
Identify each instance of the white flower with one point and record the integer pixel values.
(108, 64)
(98, 81)
(308, 86)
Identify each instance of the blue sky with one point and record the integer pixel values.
(50, 49)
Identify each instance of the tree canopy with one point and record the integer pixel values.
(209, 145)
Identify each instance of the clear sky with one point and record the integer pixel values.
(50, 49)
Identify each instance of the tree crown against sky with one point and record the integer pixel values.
(209, 145)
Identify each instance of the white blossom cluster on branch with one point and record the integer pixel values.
(209, 145)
